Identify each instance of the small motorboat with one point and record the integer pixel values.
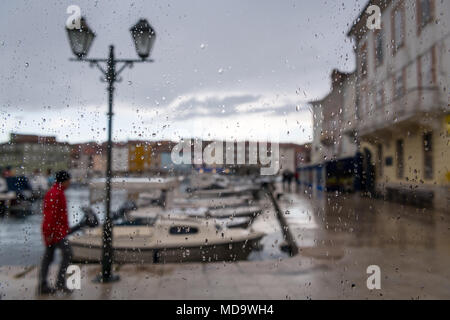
(213, 202)
(168, 240)
(204, 181)
(148, 215)
(244, 211)
(226, 192)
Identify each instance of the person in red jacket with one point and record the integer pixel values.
(55, 228)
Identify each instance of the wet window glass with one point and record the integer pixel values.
(208, 150)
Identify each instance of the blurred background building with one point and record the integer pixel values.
(26, 153)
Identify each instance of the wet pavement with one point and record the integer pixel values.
(338, 237)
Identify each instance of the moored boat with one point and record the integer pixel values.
(244, 211)
(168, 240)
(148, 215)
(215, 202)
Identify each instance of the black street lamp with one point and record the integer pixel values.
(144, 37)
(80, 39)
(80, 42)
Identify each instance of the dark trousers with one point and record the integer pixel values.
(287, 185)
(49, 254)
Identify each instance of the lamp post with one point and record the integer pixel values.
(80, 41)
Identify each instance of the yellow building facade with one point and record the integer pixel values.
(415, 159)
(139, 156)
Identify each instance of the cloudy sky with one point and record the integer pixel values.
(223, 69)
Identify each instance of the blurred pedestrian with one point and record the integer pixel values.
(287, 180)
(284, 179)
(50, 178)
(39, 184)
(8, 172)
(55, 228)
(297, 181)
(290, 177)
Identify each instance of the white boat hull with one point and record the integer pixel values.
(207, 253)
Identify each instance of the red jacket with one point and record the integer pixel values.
(55, 224)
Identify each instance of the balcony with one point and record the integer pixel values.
(401, 113)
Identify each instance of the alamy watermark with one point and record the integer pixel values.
(213, 153)
(374, 280)
(374, 19)
(73, 280)
(74, 20)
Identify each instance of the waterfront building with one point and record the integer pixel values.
(26, 153)
(335, 158)
(402, 100)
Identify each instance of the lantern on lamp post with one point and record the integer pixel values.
(143, 38)
(80, 39)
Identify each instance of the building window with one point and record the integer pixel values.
(427, 72)
(424, 13)
(379, 98)
(379, 48)
(363, 62)
(399, 85)
(358, 105)
(398, 34)
(380, 160)
(362, 104)
(447, 121)
(428, 155)
(371, 102)
(336, 148)
(399, 156)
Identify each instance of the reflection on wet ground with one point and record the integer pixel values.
(353, 221)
